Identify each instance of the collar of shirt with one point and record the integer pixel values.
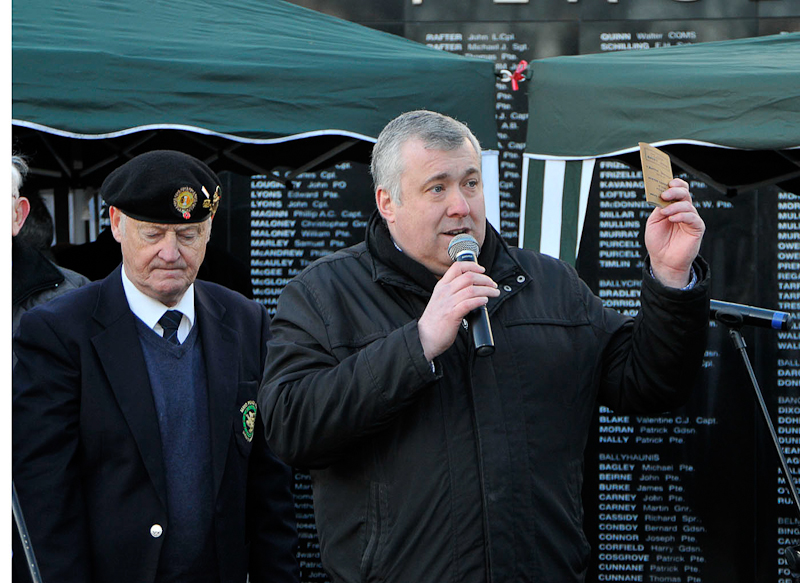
(150, 310)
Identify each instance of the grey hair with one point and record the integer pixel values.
(19, 170)
(435, 130)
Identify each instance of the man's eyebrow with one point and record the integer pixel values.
(188, 230)
(438, 177)
(152, 226)
(445, 175)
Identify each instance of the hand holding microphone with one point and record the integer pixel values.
(463, 288)
(465, 248)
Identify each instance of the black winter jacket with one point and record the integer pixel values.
(473, 471)
(36, 280)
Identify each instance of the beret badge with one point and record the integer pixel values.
(211, 203)
(185, 200)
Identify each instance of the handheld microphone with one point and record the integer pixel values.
(792, 556)
(465, 248)
(730, 314)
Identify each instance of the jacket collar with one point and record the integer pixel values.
(391, 264)
(120, 354)
(221, 353)
(31, 272)
(505, 262)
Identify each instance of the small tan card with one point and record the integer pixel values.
(657, 172)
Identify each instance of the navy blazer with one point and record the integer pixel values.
(87, 457)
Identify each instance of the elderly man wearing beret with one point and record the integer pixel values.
(138, 449)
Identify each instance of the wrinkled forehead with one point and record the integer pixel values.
(437, 153)
(200, 227)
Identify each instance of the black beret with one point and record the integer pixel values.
(163, 186)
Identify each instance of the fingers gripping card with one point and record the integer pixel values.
(657, 172)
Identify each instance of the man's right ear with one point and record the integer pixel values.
(385, 204)
(22, 208)
(115, 216)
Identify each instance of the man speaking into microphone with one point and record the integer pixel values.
(430, 461)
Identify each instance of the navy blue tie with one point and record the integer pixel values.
(170, 322)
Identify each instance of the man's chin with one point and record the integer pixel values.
(169, 292)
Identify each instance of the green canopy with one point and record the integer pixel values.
(99, 80)
(726, 112)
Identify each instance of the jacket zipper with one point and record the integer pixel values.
(484, 511)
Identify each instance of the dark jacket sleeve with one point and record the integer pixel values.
(652, 362)
(318, 400)
(271, 522)
(45, 450)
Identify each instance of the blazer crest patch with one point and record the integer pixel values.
(248, 411)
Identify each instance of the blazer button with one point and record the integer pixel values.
(156, 530)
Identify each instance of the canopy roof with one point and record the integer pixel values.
(218, 76)
(742, 94)
(726, 112)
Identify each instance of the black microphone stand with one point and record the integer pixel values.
(734, 321)
(22, 528)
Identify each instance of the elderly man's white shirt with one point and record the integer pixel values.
(150, 310)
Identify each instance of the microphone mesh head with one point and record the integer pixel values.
(461, 243)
